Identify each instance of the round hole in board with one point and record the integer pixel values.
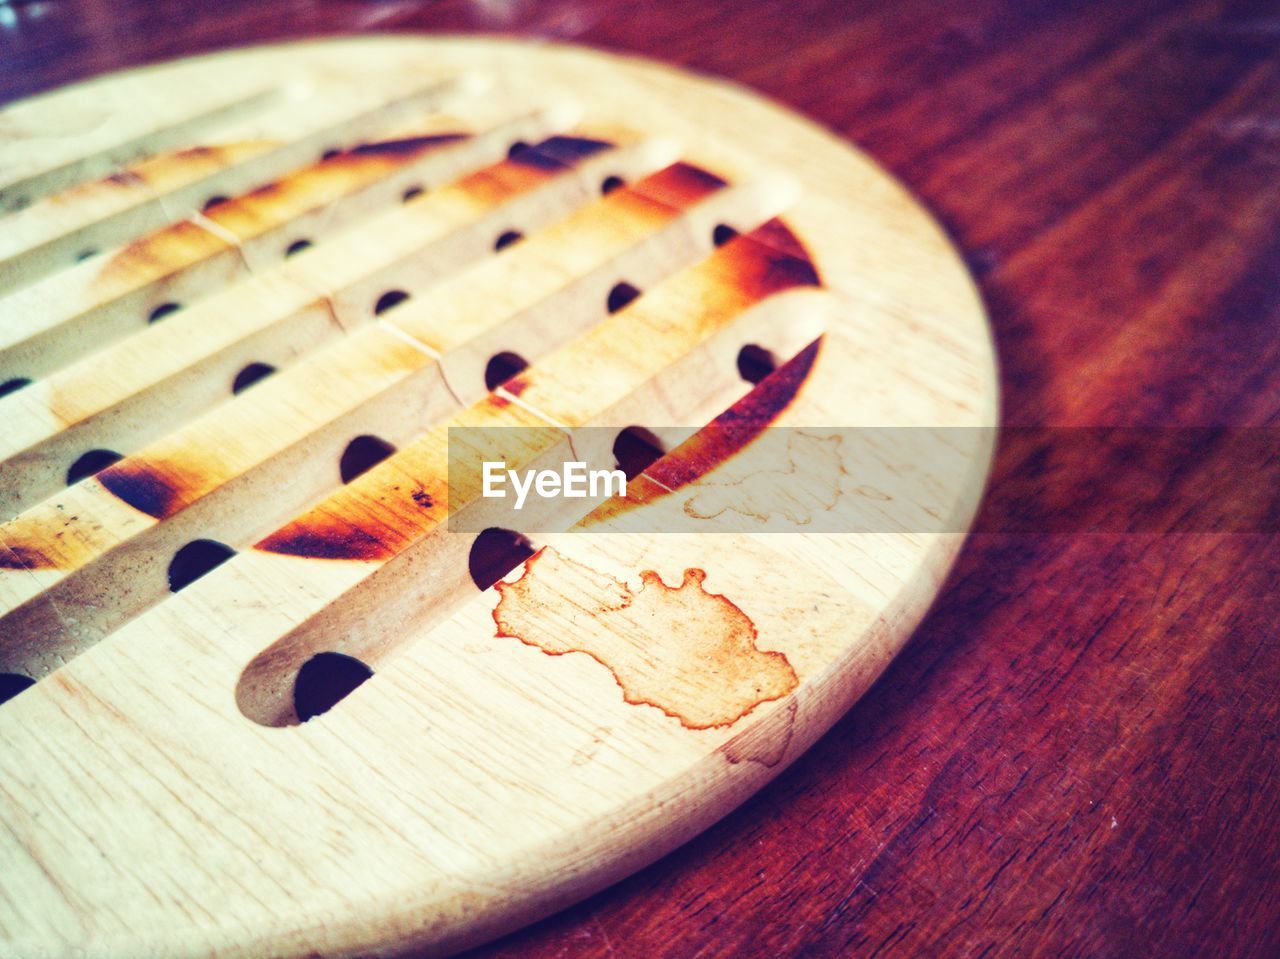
(611, 183)
(636, 449)
(413, 191)
(163, 310)
(495, 553)
(194, 560)
(620, 296)
(296, 247)
(330, 153)
(13, 385)
(755, 363)
(389, 299)
(85, 254)
(361, 455)
(501, 367)
(94, 461)
(324, 681)
(516, 148)
(214, 200)
(13, 683)
(250, 375)
(508, 238)
(722, 234)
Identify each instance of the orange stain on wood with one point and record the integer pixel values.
(181, 244)
(162, 252)
(688, 652)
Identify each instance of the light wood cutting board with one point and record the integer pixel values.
(243, 299)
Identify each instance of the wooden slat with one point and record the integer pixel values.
(53, 321)
(48, 235)
(141, 387)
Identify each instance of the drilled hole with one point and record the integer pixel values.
(85, 254)
(198, 557)
(516, 147)
(13, 385)
(297, 246)
(94, 461)
(13, 683)
(413, 191)
(495, 553)
(504, 241)
(325, 680)
(636, 449)
(388, 300)
(330, 153)
(612, 183)
(250, 375)
(501, 367)
(620, 296)
(722, 234)
(755, 363)
(361, 455)
(163, 310)
(214, 200)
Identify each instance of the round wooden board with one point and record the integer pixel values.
(477, 783)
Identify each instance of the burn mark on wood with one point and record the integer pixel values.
(558, 152)
(769, 260)
(163, 251)
(123, 178)
(679, 185)
(738, 426)
(17, 556)
(327, 537)
(183, 243)
(366, 521)
(406, 147)
(143, 488)
(726, 435)
(688, 652)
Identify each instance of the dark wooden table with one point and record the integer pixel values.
(1077, 753)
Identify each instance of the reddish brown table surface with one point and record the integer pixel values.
(1077, 753)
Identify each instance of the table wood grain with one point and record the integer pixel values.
(1077, 753)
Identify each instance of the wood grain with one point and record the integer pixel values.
(1076, 754)
(484, 777)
